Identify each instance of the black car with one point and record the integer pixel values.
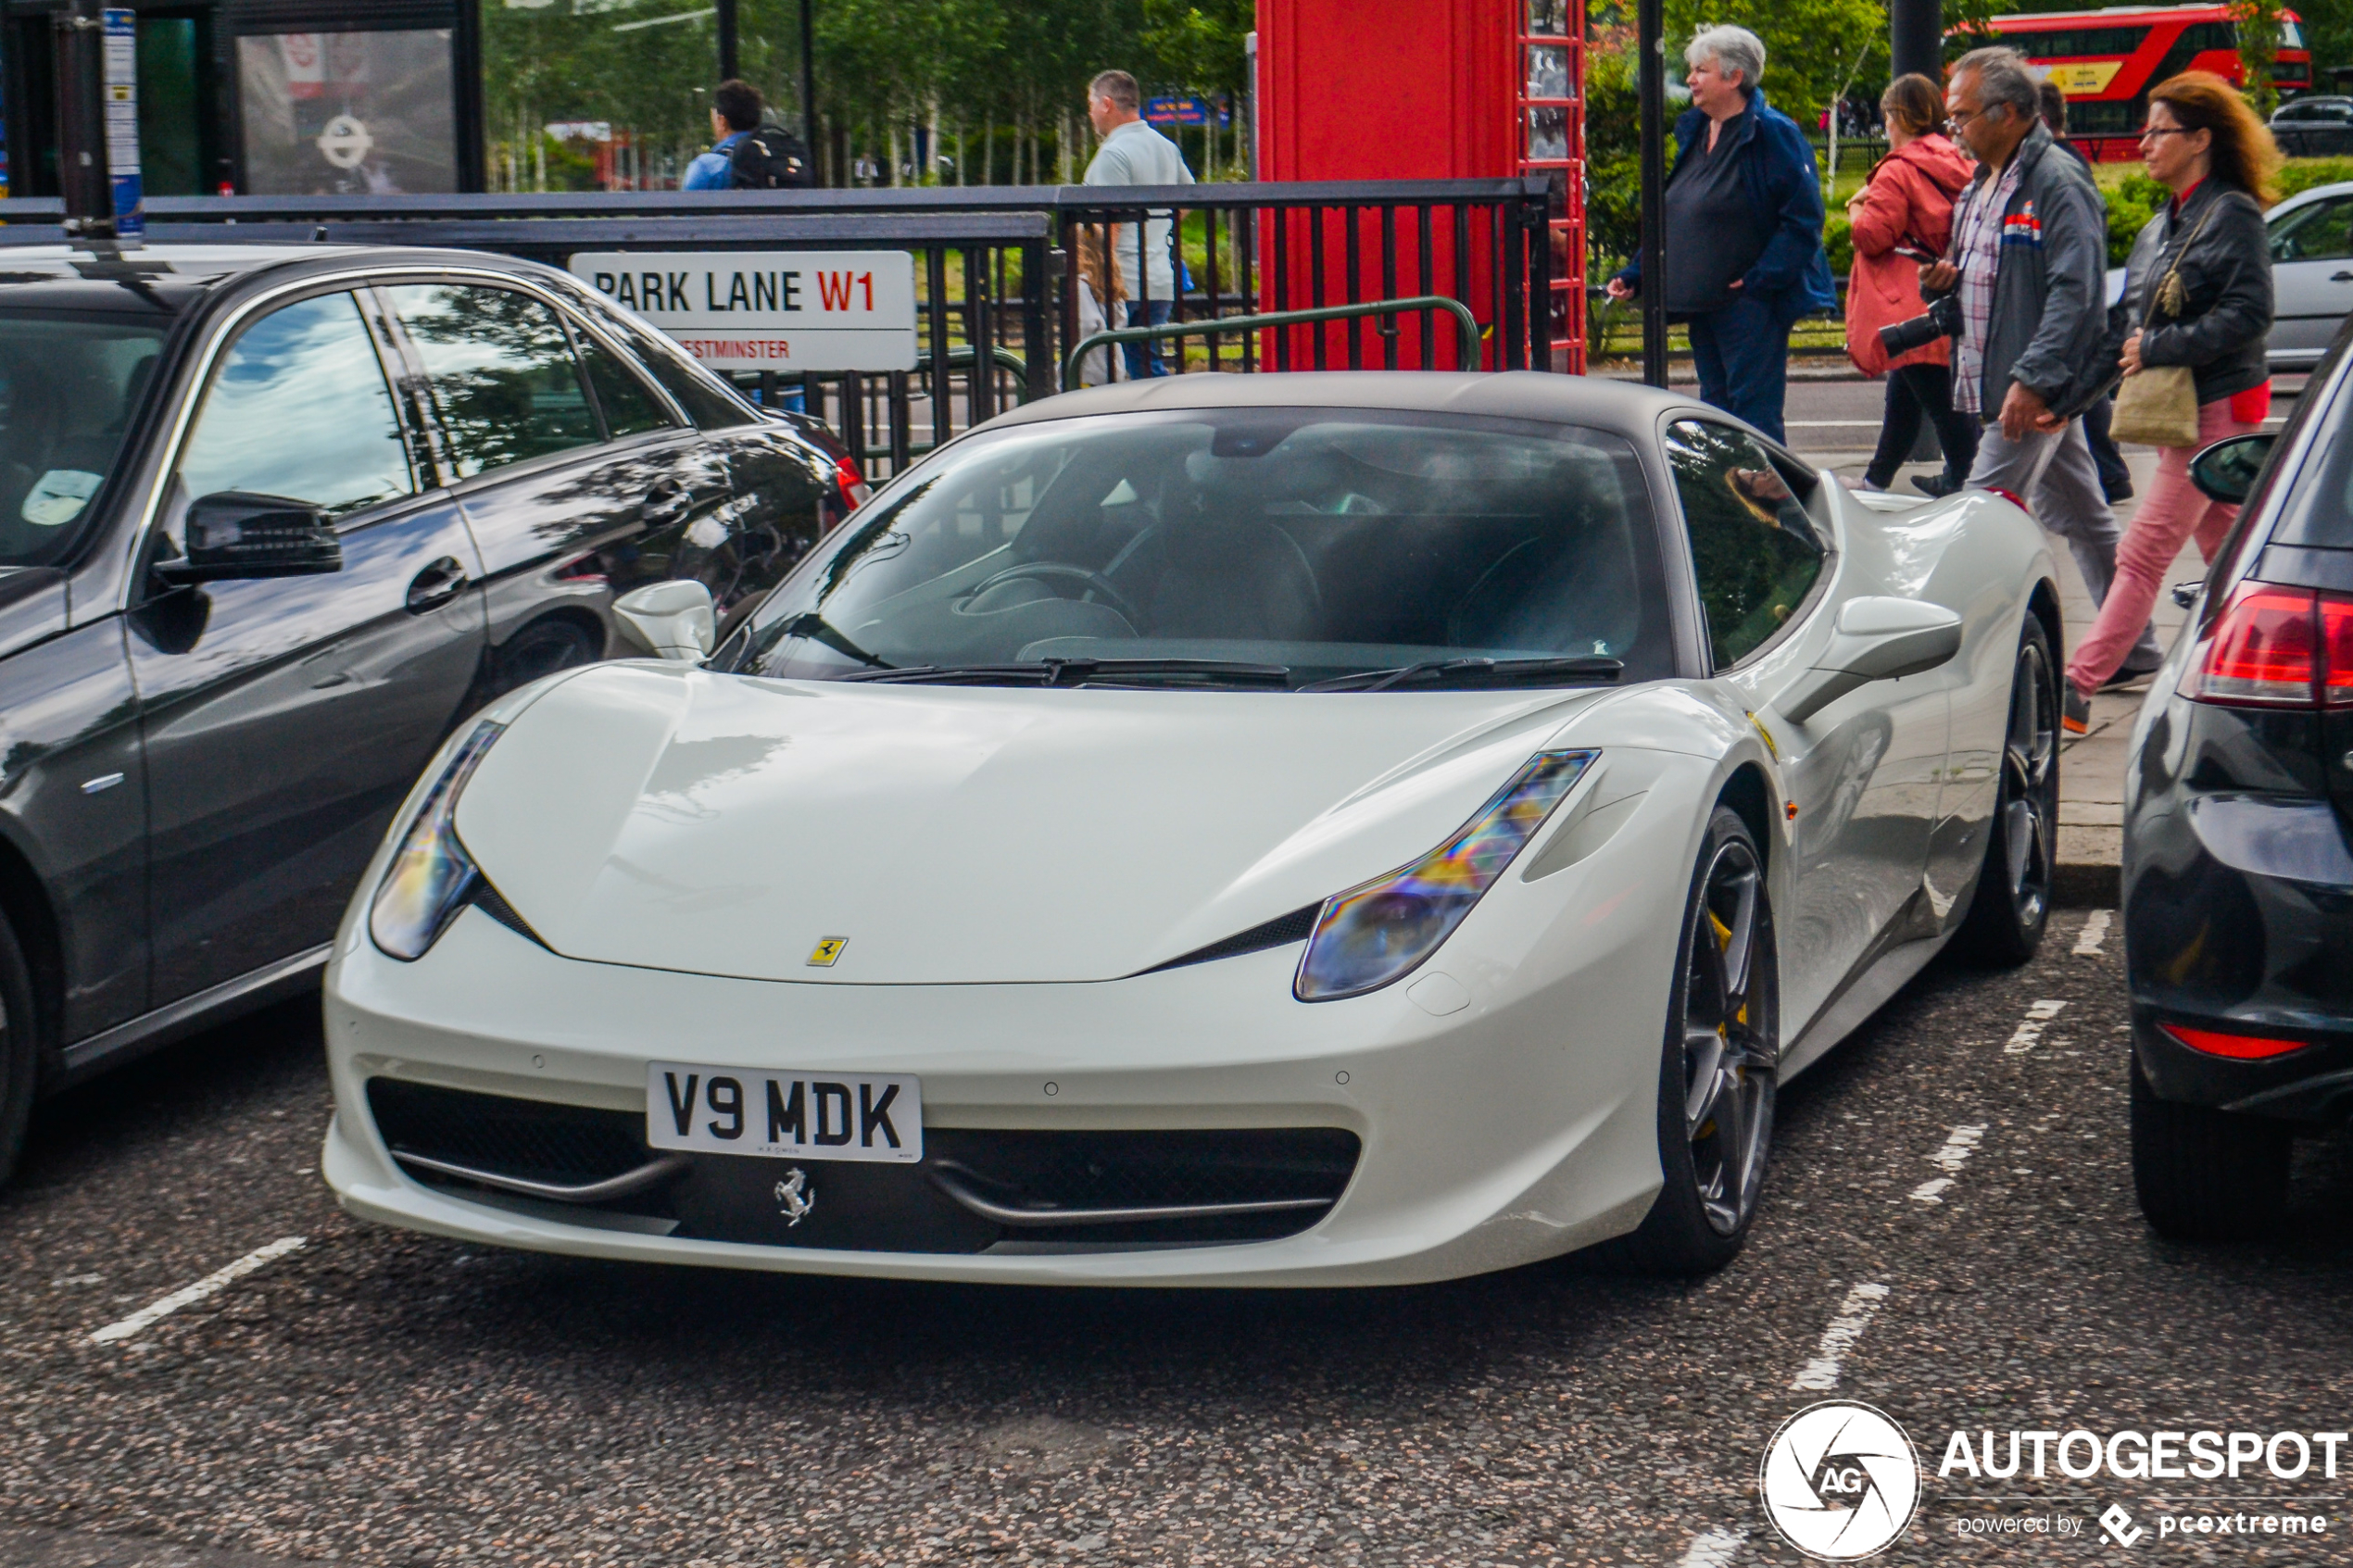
(2237, 873)
(273, 521)
(2314, 126)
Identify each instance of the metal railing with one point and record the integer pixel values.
(1466, 342)
(996, 291)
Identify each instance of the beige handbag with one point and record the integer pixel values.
(2158, 406)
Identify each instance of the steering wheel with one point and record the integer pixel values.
(1096, 582)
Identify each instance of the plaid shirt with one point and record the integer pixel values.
(1976, 250)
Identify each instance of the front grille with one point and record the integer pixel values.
(1049, 1179)
(529, 1140)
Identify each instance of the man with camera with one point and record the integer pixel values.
(2022, 292)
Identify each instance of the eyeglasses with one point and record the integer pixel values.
(2149, 130)
(1952, 126)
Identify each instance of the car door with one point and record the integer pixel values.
(2311, 279)
(1864, 773)
(285, 717)
(560, 455)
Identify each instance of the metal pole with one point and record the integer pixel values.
(728, 51)
(809, 76)
(82, 129)
(1651, 75)
(1915, 38)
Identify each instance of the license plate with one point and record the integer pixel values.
(782, 1115)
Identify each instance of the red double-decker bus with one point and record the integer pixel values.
(2106, 61)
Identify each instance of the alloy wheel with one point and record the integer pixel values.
(1729, 1038)
(2030, 787)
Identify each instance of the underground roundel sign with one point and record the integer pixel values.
(1840, 1481)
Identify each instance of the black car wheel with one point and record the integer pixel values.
(2012, 904)
(19, 1050)
(1718, 1072)
(2204, 1174)
(542, 648)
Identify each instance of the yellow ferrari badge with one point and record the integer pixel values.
(827, 951)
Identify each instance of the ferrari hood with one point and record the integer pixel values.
(721, 824)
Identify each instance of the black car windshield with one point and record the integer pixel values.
(1295, 545)
(69, 385)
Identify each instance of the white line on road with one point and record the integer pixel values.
(2030, 1029)
(1959, 1143)
(1714, 1549)
(1854, 1314)
(220, 1279)
(2095, 932)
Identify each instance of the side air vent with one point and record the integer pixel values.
(1280, 932)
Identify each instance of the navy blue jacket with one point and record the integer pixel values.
(1792, 276)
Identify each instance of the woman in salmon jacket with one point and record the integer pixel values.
(1902, 217)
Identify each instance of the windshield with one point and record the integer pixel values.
(1314, 543)
(67, 386)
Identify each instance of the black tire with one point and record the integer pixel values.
(19, 1050)
(2011, 906)
(2204, 1174)
(542, 648)
(1718, 1068)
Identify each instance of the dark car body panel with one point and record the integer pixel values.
(2238, 871)
(264, 731)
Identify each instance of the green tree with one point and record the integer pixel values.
(1811, 46)
(2259, 29)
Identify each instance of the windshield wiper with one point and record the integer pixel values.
(818, 630)
(1086, 672)
(1477, 672)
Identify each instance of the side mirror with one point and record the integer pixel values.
(1877, 639)
(235, 534)
(2226, 471)
(675, 620)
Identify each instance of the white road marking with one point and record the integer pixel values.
(1854, 1314)
(2030, 1029)
(1714, 1549)
(1959, 1143)
(218, 1280)
(2095, 932)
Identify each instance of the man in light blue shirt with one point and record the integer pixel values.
(1134, 154)
(735, 114)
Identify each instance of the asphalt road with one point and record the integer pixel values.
(374, 1398)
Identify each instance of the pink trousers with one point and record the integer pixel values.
(2172, 511)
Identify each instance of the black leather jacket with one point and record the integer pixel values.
(2226, 280)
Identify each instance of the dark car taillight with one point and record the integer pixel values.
(2276, 647)
(854, 483)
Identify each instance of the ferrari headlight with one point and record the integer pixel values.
(1370, 935)
(432, 875)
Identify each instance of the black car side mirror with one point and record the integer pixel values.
(233, 535)
(2226, 471)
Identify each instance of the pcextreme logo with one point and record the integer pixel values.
(1840, 1481)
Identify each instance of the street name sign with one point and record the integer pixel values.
(784, 310)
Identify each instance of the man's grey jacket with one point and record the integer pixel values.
(2050, 289)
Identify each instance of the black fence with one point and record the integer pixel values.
(997, 289)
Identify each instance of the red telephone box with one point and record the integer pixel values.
(1414, 90)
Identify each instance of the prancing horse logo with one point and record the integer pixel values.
(793, 1192)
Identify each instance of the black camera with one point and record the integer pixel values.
(1941, 319)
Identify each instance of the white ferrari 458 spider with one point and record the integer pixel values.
(1223, 830)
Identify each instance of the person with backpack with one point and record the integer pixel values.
(745, 154)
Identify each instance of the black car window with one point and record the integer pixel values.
(2322, 231)
(68, 386)
(709, 405)
(503, 377)
(1755, 551)
(298, 407)
(628, 407)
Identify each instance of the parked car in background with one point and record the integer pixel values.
(2237, 879)
(273, 521)
(2311, 241)
(2319, 126)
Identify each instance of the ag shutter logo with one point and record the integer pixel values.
(1840, 1481)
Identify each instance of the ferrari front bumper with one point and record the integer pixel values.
(1499, 1121)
